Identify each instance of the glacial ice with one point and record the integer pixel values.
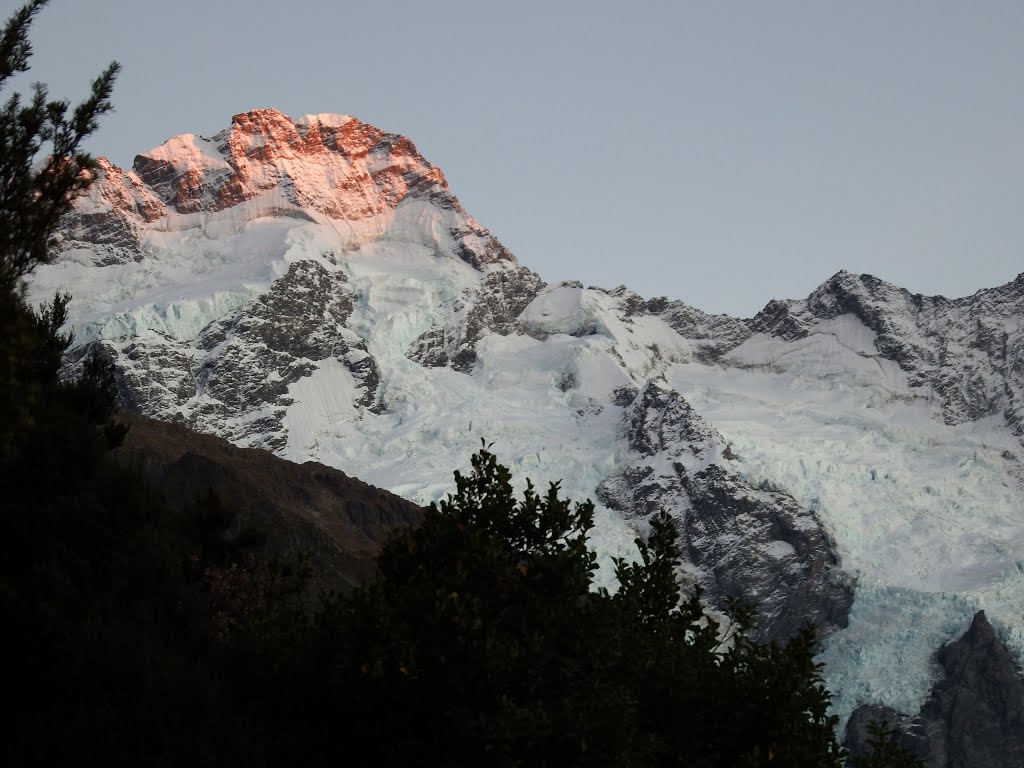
(928, 517)
(925, 515)
(885, 654)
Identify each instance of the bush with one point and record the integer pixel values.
(483, 643)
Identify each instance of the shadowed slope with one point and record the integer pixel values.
(338, 520)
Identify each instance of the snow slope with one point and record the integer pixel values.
(929, 517)
(313, 287)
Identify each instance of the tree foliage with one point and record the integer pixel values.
(137, 636)
(42, 168)
(483, 642)
(33, 195)
(885, 751)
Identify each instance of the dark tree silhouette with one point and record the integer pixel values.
(136, 637)
(482, 642)
(42, 169)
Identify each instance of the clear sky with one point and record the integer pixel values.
(724, 153)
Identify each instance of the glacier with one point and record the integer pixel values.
(927, 516)
(890, 420)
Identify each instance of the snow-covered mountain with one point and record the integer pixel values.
(313, 287)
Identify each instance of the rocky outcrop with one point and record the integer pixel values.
(266, 150)
(491, 306)
(714, 334)
(969, 351)
(233, 379)
(974, 717)
(761, 545)
(329, 166)
(755, 543)
(105, 225)
(255, 354)
(332, 165)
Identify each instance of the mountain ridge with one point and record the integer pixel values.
(320, 166)
(312, 510)
(851, 458)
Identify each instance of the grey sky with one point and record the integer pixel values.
(724, 153)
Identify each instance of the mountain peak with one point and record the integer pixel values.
(329, 164)
(311, 286)
(322, 168)
(329, 119)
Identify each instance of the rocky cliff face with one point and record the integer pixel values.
(312, 286)
(266, 164)
(233, 378)
(974, 717)
(969, 352)
(491, 306)
(742, 541)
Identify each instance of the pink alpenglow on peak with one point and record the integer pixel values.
(336, 166)
(320, 168)
(326, 118)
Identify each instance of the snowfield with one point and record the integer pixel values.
(928, 516)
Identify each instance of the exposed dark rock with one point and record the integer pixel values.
(661, 419)
(776, 319)
(245, 362)
(185, 190)
(758, 544)
(501, 297)
(969, 351)
(974, 717)
(715, 334)
(636, 491)
(624, 396)
(465, 359)
(631, 304)
(430, 349)
(338, 520)
(112, 237)
(151, 374)
(277, 339)
(492, 306)
(762, 546)
(105, 225)
(477, 247)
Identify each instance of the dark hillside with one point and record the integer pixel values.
(277, 507)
